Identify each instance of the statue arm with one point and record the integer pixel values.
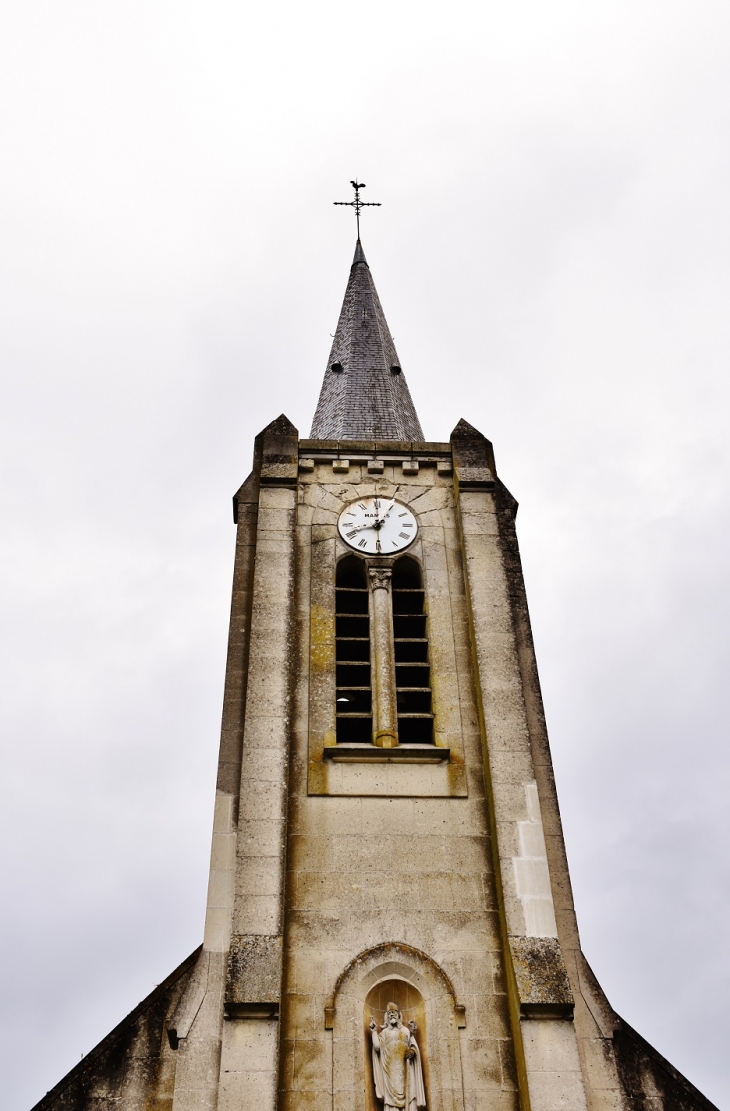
(377, 1063)
(417, 1092)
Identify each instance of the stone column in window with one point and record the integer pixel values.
(385, 713)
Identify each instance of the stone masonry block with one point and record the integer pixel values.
(262, 838)
(246, 1091)
(542, 978)
(557, 1091)
(253, 982)
(220, 887)
(258, 875)
(310, 1072)
(257, 914)
(278, 472)
(600, 1064)
(481, 1063)
(261, 800)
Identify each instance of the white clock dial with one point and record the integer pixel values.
(377, 526)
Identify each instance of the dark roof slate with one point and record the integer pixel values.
(367, 399)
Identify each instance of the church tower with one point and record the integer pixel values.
(390, 925)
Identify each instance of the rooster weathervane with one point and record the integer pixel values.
(357, 204)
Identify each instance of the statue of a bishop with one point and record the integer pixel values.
(397, 1066)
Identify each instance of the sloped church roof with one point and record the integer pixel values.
(364, 395)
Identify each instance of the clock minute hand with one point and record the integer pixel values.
(385, 515)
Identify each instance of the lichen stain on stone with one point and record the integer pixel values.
(317, 782)
(540, 971)
(322, 634)
(254, 969)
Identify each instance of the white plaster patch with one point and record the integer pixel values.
(532, 878)
(221, 880)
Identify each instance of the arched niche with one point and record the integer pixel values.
(423, 991)
(412, 1006)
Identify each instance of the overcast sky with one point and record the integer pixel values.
(552, 257)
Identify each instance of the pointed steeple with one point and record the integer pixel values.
(364, 395)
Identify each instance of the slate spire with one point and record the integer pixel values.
(364, 395)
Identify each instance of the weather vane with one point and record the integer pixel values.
(357, 204)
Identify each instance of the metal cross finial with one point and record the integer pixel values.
(357, 204)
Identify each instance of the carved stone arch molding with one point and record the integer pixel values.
(432, 999)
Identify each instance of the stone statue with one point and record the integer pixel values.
(397, 1064)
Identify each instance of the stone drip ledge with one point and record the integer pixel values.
(402, 754)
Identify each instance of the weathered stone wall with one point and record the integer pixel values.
(389, 860)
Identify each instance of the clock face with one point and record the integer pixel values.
(377, 526)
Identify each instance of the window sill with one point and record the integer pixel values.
(402, 754)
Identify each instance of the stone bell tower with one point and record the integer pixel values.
(390, 925)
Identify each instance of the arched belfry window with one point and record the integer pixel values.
(412, 671)
(383, 672)
(352, 640)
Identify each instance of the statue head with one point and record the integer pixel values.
(392, 1015)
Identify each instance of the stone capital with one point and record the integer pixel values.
(380, 577)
